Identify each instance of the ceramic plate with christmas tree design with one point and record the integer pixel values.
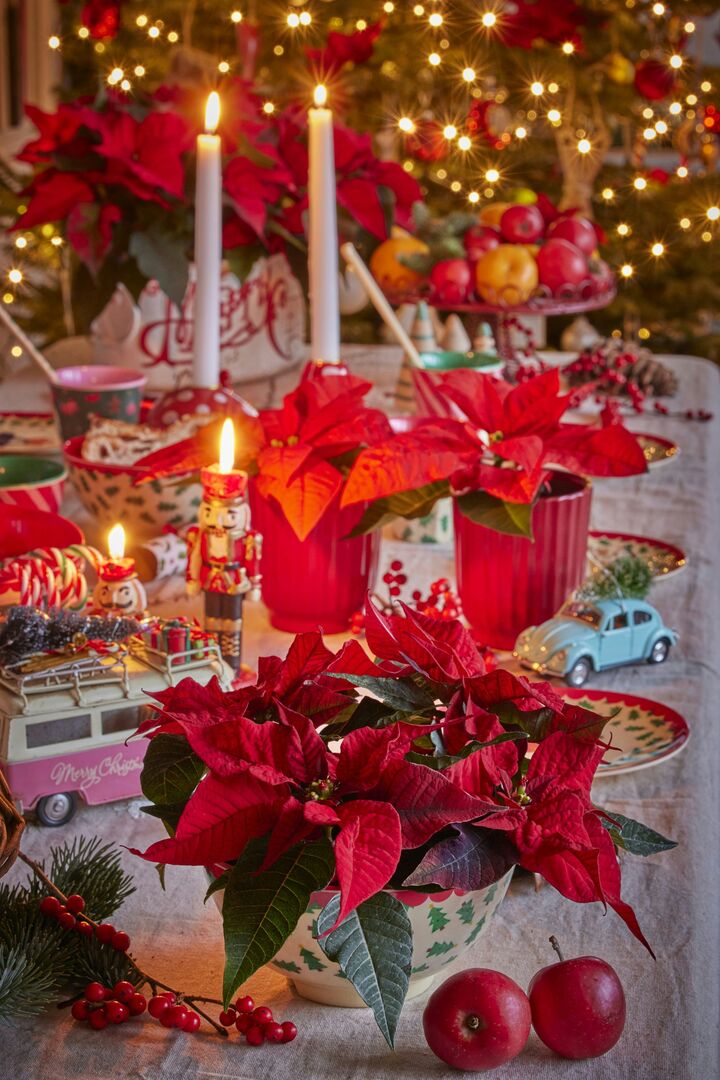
(643, 732)
(657, 451)
(662, 559)
(29, 433)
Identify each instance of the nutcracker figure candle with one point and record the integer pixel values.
(118, 590)
(223, 551)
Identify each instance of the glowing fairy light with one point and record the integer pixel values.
(293, 20)
(15, 276)
(639, 183)
(450, 132)
(464, 143)
(658, 9)
(154, 32)
(554, 116)
(306, 19)
(139, 71)
(21, 242)
(623, 229)
(676, 61)
(608, 194)
(649, 134)
(54, 41)
(236, 16)
(520, 133)
(657, 249)
(492, 176)
(406, 124)
(537, 88)
(685, 223)
(83, 32)
(473, 197)
(434, 59)
(661, 127)
(268, 108)
(141, 21)
(584, 146)
(436, 19)
(115, 76)
(627, 271)
(223, 67)
(489, 19)
(389, 7)
(16, 351)
(568, 48)
(468, 74)
(675, 108)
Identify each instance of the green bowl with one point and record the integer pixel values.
(442, 360)
(31, 482)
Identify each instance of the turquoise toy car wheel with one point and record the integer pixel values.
(659, 652)
(579, 673)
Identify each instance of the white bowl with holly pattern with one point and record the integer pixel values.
(444, 926)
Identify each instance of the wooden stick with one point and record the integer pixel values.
(352, 258)
(27, 344)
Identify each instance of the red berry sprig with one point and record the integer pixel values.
(101, 1005)
(394, 578)
(70, 916)
(258, 1024)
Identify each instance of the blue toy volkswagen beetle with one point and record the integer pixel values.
(588, 636)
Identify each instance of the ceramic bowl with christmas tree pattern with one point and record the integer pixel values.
(110, 493)
(444, 926)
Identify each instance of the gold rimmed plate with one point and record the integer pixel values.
(643, 733)
(663, 559)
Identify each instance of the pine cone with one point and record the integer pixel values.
(12, 824)
(614, 364)
(651, 376)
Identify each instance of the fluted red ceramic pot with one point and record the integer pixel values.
(507, 583)
(320, 581)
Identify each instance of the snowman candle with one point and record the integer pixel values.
(223, 550)
(118, 590)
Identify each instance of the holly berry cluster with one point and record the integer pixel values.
(101, 1005)
(442, 602)
(687, 414)
(257, 1024)
(70, 917)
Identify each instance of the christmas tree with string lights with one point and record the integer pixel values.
(602, 105)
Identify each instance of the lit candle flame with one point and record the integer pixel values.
(212, 113)
(227, 447)
(320, 96)
(116, 542)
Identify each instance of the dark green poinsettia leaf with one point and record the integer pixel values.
(401, 694)
(373, 946)
(171, 771)
(162, 257)
(438, 760)
(406, 504)
(368, 712)
(472, 859)
(261, 910)
(635, 837)
(494, 513)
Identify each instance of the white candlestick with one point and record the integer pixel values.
(323, 239)
(208, 250)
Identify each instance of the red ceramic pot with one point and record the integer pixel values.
(317, 582)
(507, 583)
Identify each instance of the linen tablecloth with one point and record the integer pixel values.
(673, 1020)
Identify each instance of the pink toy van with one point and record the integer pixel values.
(63, 729)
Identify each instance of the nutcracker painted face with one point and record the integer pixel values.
(118, 595)
(225, 516)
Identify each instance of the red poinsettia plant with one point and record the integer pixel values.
(117, 175)
(496, 458)
(445, 778)
(299, 455)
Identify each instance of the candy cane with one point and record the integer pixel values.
(51, 577)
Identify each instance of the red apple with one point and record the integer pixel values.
(479, 239)
(601, 276)
(478, 1019)
(522, 225)
(561, 265)
(576, 230)
(578, 1007)
(451, 281)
